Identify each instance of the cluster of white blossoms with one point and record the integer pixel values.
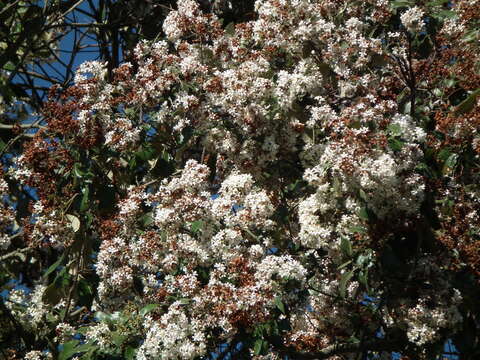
(289, 155)
(51, 227)
(29, 308)
(424, 323)
(99, 334)
(250, 119)
(6, 217)
(175, 336)
(412, 19)
(38, 355)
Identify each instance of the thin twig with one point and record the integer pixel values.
(14, 253)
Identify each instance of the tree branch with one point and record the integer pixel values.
(342, 348)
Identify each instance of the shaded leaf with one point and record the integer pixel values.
(279, 304)
(342, 287)
(148, 308)
(468, 104)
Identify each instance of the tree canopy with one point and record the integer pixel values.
(253, 180)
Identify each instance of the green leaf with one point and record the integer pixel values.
(342, 287)
(395, 144)
(68, 350)
(279, 304)
(401, 3)
(363, 214)
(103, 317)
(471, 36)
(184, 301)
(345, 264)
(363, 195)
(146, 219)
(450, 163)
(9, 66)
(85, 203)
(54, 266)
(196, 226)
(77, 171)
(130, 353)
(445, 14)
(258, 346)
(118, 338)
(148, 308)
(363, 277)
(394, 129)
(346, 246)
(230, 29)
(358, 229)
(468, 104)
(450, 83)
(444, 154)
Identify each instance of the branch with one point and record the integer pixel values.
(12, 141)
(14, 253)
(342, 348)
(23, 126)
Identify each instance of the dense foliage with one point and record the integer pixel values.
(302, 181)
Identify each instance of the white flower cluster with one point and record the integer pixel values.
(296, 143)
(175, 336)
(281, 268)
(96, 69)
(51, 227)
(38, 355)
(412, 19)
(99, 334)
(425, 323)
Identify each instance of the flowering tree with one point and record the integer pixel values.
(303, 183)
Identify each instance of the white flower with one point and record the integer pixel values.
(412, 19)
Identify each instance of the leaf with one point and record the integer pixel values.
(401, 3)
(230, 29)
(9, 66)
(445, 14)
(103, 317)
(148, 308)
(77, 170)
(394, 129)
(450, 83)
(345, 264)
(363, 195)
(118, 338)
(74, 222)
(84, 204)
(358, 229)
(342, 286)
(146, 219)
(450, 163)
(129, 353)
(468, 104)
(363, 214)
(54, 266)
(471, 36)
(257, 347)
(395, 144)
(363, 277)
(196, 226)
(346, 246)
(279, 304)
(68, 350)
(185, 301)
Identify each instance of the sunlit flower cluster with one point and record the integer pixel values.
(269, 172)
